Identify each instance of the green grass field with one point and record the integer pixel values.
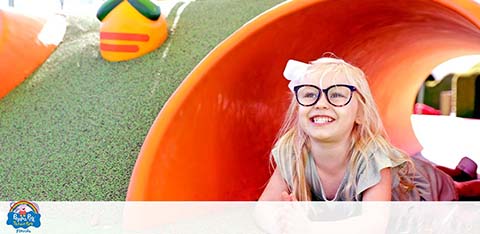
(73, 130)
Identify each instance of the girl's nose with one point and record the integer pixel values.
(322, 102)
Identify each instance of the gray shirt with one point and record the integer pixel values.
(430, 184)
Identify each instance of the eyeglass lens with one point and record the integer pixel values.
(336, 95)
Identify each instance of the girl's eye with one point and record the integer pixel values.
(337, 95)
(309, 95)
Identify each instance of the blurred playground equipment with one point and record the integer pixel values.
(466, 94)
(456, 94)
(211, 141)
(130, 29)
(435, 95)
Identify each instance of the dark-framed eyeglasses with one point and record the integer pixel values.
(338, 95)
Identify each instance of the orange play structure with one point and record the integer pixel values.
(212, 139)
(21, 51)
(127, 34)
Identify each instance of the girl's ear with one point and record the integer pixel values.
(358, 120)
(360, 115)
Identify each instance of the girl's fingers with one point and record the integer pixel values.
(286, 196)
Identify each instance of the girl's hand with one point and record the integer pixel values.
(288, 197)
(292, 217)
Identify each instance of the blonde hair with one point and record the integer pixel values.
(293, 143)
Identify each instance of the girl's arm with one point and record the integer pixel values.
(276, 190)
(381, 191)
(275, 187)
(274, 218)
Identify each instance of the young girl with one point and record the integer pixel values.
(333, 145)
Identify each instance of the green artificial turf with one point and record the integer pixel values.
(73, 130)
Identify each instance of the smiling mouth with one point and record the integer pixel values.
(321, 119)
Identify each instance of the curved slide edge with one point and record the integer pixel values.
(25, 43)
(211, 140)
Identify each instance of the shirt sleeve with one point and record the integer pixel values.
(369, 171)
(285, 171)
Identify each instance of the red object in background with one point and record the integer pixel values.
(212, 139)
(423, 109)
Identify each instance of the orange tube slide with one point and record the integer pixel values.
(21, 52)
(212, 139)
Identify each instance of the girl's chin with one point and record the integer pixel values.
(321, 137)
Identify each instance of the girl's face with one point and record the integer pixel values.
(324, 122)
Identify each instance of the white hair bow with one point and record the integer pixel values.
(294, 72)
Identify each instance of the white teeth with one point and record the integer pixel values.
(322, 120)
